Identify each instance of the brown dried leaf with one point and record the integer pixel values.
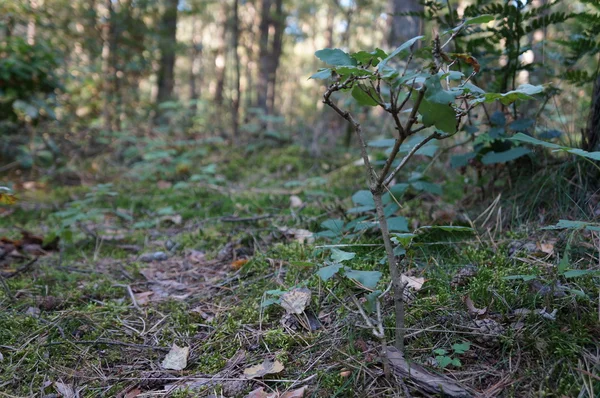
(547, 248)
(265, 368)
(260, 393)
(295, 201)
(176, 359)
(65, 390)
(296, 300)
(297, 393)
(472, 309)
(143, 298)
(413, 282)
(133, 393)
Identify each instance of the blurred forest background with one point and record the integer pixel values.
(82, 77)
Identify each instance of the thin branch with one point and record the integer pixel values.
(413, 115)
(409, 155)
(357, 127)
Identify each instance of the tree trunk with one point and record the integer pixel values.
(108, 71)
(195, 66)
(235, 41)
(403, 28)
(220, 63)
(262, 85)
(31, 23)
(276, 51)
(591, 139)
(167, 44)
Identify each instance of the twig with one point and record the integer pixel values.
(23, 268)
(403, 162)
(109, 342)
(245, 219)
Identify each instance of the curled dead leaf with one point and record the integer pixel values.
(176, 359)
(413, 281)
(472, 309)
(296, 300)
(265, 368)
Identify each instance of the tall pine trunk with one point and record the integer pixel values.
(235, 41)
(264, 56)
(402, 28)
(167, 44)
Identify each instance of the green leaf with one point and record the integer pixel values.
(397, 224)
(480, 19)
(363, 197)
(334, 225)
(383, 143)
(523, 92)
(569, 224)
(371, 58)
(325, 273)
(371, 303)
(440, 351)
(339, 256)
(524, 278)
(443, 361)
(461, 160)
(436, 107)
(322, 74)
(361, 94)
(521, 124)
(368, 279)
(448, 228)
(403, 239)
(564, 261)
(405, 46)
(461, 348)
(575, 151)
(456, 362)
(575, 273)
(360, 209)
(427, 187)
(335, 57)
(504, 157)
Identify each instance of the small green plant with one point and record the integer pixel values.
(422, 94)
(445, 358)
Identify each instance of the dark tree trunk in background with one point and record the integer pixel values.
(277, 50)
(591, 139)
(329, 30)
(108, 67)
(403, 28)
(167, 44)
(220, 63)
(235, 43)
(264, 54)
(195, 66)
(270, 49)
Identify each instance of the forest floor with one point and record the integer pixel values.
(153, 276)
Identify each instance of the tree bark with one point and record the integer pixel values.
(276, 51)
(220, 63)
(402, 28)
(108, 70)
(31, 23)
(591, 139)
(235, 41)
(262, 85)
(167, 44)
(195, 65)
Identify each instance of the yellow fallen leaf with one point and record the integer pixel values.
(265, 368)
